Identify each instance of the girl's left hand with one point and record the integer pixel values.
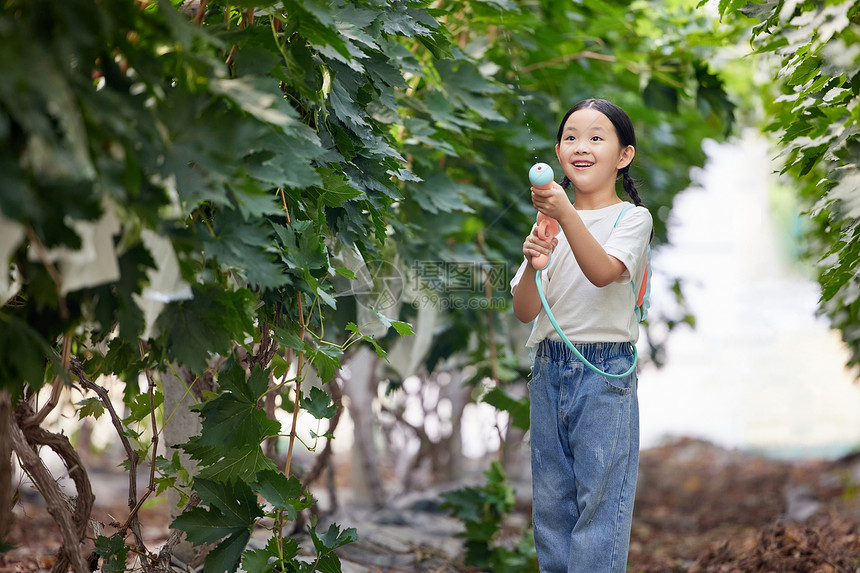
(552, 202)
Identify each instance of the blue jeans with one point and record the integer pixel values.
(585, 457)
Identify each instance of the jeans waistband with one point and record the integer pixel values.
(594, 352)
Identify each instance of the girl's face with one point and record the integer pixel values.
(590, 152)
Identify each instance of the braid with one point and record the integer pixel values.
(565, 183)
(630, 187)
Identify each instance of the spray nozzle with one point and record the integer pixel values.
(540, 174)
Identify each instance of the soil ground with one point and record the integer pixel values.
(699, 508)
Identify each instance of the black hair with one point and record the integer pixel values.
(626, 136)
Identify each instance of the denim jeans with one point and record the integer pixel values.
(585, 457)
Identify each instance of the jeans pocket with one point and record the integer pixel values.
(538, 365)
(619, 365)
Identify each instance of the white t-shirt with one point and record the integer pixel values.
(587, 313)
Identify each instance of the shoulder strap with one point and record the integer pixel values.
(622, 213)
(641, 295)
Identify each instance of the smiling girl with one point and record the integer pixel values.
(585, 426)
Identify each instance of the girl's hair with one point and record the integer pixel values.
(626, 136)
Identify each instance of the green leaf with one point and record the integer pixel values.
(232, 379)
(233, 420)
(329, 563)
(404, 20)
(805, 71)
(304, 248)
(257, 96)
(247, 247)
(289, 338)
(234, 498)
(467, 85)
(232, 509)
(318, 24)
(518, 409)
(438, 194)
(227, 554)
(346, 108)
(230, 464)
(207, 324)
(278, 489)
(332, 539)
(257, 561)
(319, 404)
(326, 361)
(284, 160)
(123, 359)
(480, 530)
(760, 10)
(495, 475)
(345, 272)
(233, 427)
(205, 525)
(113, 550)
(380, 352)
(279, 366)
(140, 407)
(661, 96)
(335, 189)
(465, 503)
(402, 328)
(282, 492)
(90, 407)
(23, 357)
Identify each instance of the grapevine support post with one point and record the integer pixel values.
(361, 389)
(180, 424)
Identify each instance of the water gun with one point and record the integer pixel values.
(541, 176)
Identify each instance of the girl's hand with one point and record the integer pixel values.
(553, 202)
(534, 245)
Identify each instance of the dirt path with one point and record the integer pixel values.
(705, 509)
(699, 509)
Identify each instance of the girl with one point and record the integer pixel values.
(584, 426)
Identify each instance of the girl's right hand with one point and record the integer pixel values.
(534, 245)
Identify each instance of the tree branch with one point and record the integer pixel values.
(56, 390)
(72, 521)
(6, 489)
(77, 369)
(162, 562)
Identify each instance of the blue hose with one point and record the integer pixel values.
(569, 344)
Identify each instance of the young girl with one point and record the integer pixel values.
(584, 426)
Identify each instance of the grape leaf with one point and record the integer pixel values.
(319, 404)
(232, 508)
(518, 409)
(113, 550)
(206, 324)
(227, 554)
(90, 407)
(282, 492)
(332, 538)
